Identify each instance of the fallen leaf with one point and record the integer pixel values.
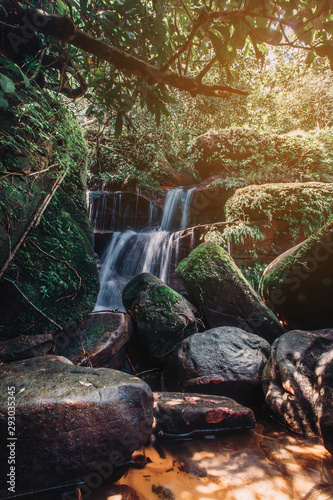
(86, 384)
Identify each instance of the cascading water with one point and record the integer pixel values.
(153, 250)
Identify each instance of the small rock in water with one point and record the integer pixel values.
(178, 414)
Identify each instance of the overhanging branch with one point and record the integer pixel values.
(63, 29)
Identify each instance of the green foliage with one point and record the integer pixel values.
(41, 125)
(253, 274)
(244, 156)
(304, 205)
(155, 31)
(148, 156)
(57, 289)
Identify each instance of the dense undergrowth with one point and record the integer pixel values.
(42, 147)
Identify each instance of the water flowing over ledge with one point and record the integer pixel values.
(131, 252)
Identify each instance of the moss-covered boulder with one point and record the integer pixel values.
(304, 206)
(163, 317)
(298, 285)
(246, 157)
(218, 288)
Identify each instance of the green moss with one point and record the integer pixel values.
(63, 287)
(302, 205)
(206, 269)
(274, 277)
(164, 296)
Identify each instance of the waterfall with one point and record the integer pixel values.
(130, 253)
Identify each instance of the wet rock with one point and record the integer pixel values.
(218, 288)
(226, 361)
(290, 380)
(324, 387)
(178, 414)
(25, 346)
(162, 316)
(71, 421)
(298, 285)
(97, 341)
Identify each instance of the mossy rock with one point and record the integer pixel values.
(302, 204)
(163, 317)
(218, 288)
(298, 285)
(56, 271)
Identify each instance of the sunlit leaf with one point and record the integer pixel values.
(7, 85)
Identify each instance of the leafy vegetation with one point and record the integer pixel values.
(55, 270)
(307, 206)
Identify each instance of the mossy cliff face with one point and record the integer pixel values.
(42, 147)
(162, 316)
(306, 205)
(218, 288)
(298, 285)
(56, 271)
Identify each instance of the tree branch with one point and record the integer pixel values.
(202, 18)
(62, 28)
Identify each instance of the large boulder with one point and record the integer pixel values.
(324, 387)
(298, 285)
(97, 341)
(163, 317)
(218, 288)
(226, 361)
(179, 415)
(69, 421)
(291, 380)
(306, 201)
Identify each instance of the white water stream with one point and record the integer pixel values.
(130, 253)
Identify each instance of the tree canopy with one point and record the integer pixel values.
(123, 51)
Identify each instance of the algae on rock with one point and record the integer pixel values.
(218, 288)
(162, 316)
